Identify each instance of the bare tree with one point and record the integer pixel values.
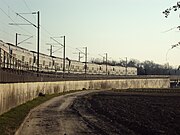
(173, 8)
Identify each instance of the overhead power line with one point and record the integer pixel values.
(10, 16)
(178, 27)
(26, 5)
(29, 10)
(6, 14)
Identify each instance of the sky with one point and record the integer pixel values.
(121, 28)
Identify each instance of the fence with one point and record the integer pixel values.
(8, 61)
(13, 70)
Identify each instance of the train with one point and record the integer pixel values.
(55, 64)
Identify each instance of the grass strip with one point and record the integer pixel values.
(11, 120)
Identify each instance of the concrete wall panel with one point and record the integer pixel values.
(14, 94)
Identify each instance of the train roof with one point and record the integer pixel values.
(51, 56)
(17, 46)
(41, 53)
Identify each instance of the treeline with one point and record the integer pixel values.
(143, 68)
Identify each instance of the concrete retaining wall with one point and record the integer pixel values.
(14, 94)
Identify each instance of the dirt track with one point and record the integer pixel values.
(106, 113)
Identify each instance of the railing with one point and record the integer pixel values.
(8, 61)
(24, 72)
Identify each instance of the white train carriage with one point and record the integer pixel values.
(20, 54)
(115, 70)
(55, 64)
(77, 67)
(4, 56)
(45, 62)
(111, 70)
(131, 71)
(122, 70)
(4, 46)
(49, 64)
(72, 66)
(67, 65)
(92, 68)
(102, 69)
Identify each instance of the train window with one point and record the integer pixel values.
(99, 68)
(46, 67)
(113, 69)
(34, 59)
(11, 51)
(30, 60)
(85, 67)
(23, 58)
(43, 62)
(49, 64)
(58, 68)
(53, 62)
(61, 65)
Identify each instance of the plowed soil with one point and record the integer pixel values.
(107, 113)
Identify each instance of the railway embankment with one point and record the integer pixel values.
(14, 94)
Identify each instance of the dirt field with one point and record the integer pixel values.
(107, 113)
(134, 113)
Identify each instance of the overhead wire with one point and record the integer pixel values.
(11, 18)
(178, 27)
(27, 6)
(43, 28)
(5, 25)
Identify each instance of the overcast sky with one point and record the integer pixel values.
(121, 28)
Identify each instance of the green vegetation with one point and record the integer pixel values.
(11, 120)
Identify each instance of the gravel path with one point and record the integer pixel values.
(56, 117)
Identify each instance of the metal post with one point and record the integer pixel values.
(126, 66)
(38, 28)
(0, 58)
(4, 59)
(7, 59)
(50, 50)
(79, 56)
(12, 62)
(85, 61)
(10, 56)
(16, 39)
(106, 64)
(64, 57)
